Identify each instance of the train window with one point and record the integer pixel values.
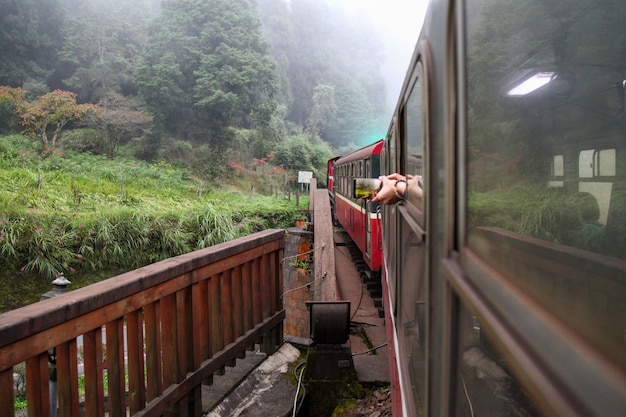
(413, 114)
(388, 157)
(604, 163)
(596, 163)
(585, 164)
(540, 86)
(485, 386)
(557, 166)
(411, 285)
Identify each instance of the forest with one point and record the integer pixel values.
(137, 130)
(209, 85)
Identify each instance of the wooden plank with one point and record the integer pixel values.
(185, 348)
(267, 344)
(37, 317)
(182, 333)
(257, 295)
(217, 333)
(228, 321)
(277, 292)
(136, 378)
(94, 370)
(37, 386)
(324, 253)
(153, 352)
(274, 296)
(169, 345)
(7, 396)
(173, 393)
(115, 368)
(200, 302)
(238, 310)
(246, 282)
(67, 379)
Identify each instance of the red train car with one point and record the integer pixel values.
(358, 217)
(504, 278)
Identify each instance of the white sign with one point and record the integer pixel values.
(304, 177)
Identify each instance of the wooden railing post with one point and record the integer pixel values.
(168, 328)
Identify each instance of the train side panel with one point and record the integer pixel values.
(505, 285)
(357, 216)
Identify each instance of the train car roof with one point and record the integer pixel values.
(372, 149)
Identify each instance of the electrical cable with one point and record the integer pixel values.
(467, 397)
(370, 350)
(297, 404)
(308, 285)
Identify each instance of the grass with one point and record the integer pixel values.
(86, 216)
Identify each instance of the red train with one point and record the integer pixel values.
(504, 284)
(359, 217)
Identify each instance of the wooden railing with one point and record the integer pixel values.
(150, 337)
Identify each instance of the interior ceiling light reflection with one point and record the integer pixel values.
(531, 84)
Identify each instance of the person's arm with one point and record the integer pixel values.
(396, 188)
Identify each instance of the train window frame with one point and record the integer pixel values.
(524, 333)
(412, 218)
(415, 215)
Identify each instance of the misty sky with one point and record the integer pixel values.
(398, 22)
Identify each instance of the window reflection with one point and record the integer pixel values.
(484, 385)
(414, 131)
(546, 165)
(411, 291)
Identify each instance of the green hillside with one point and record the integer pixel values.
(90, 218)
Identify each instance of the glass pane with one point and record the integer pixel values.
(606, 162)
(411, 313)
(545, 79)
(557, 168)
(414, 131)
(484, 385)
(585, 164)
(411, 292)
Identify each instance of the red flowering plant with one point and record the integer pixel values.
(261, 172)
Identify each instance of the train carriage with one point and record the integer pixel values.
(505, 281)
(359, 217)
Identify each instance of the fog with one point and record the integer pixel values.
(397, 23)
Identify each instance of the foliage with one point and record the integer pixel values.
(76, 213)
(30, 32)
(206, 70)
(48, 114)
(203, 70)
(119, 119)
(262, 172)
(103, 41)
(549, 214)
(318, 45)
(324, 109)
(51, 113)
(297, 153)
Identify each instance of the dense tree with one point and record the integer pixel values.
(316, 43)
(103, 41)
(119, 119)
(206, 69)
(30, 35)
(203, 68)
(278, 30)
(324, 109)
